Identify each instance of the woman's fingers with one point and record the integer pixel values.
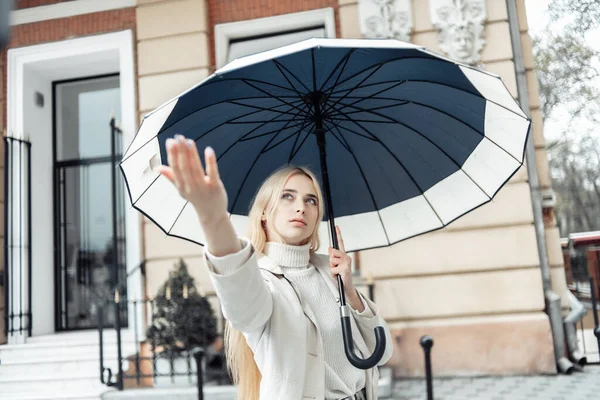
(167, 172)
(195, 163)
(336, 253)
(212, 170)
(338, 232)
(183, 163)
(173, 162)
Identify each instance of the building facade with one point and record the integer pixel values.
(71, 66)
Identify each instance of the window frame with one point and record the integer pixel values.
(248, 29)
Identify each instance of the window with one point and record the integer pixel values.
(237, 39)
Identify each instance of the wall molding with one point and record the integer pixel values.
(64, 10)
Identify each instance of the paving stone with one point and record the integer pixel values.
(577, 386)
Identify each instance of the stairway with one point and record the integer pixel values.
(59, 366)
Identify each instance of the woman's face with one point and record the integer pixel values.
(296, 212)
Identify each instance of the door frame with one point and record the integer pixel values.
(68, 54)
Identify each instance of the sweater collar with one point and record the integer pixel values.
(287, 255)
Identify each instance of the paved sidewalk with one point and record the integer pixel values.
(578, 386)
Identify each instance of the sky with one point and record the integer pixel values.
(537, 19)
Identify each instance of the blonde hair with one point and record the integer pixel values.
(240, 358)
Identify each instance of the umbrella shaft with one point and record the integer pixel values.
(327, 191)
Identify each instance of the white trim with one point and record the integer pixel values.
(67, 9)
(270, 25)
(19, 59)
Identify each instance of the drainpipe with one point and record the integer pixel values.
(553, 301)
(578, 311)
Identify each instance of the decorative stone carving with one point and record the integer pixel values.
(386, 19)
(461, 24)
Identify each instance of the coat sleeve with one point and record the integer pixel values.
(367, 321)
(246, 298)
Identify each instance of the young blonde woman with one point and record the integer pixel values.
(283, 339)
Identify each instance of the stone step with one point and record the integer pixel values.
(37, 351)
(70, 365)
(57, 384)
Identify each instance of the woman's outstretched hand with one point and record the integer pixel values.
(204, 190)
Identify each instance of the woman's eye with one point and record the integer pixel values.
(287, 196)
(312, 201)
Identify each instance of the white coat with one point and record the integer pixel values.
(281, 331)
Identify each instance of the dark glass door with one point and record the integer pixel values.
(85, 219)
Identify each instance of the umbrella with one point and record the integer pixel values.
(404, 140)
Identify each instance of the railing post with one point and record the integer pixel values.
(115, 260)
(198, 353)
(29, 238)
(427, 344)
(7, 236)
(593, 288)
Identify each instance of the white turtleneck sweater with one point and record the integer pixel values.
(341, 378)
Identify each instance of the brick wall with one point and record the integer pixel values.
(20, 4)
(223, 11)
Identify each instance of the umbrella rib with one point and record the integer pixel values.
(430, 141)
(362, 173)
(329, 106)
(285, 127)
(262, 108)
(433, 83)
(245, 138)
(343, 143)
(381, 64)
(433, 143)
(440, 111)
(280, 67)
(372, 96)
(263, 124)
(282, 141)
(245, 80)
(248, 173)
(344, 113)
(357, 133)
(407, 174)
(268, 94)
(192, 113)
(345, 60)
(294, 152)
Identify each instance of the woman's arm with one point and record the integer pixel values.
(245, 297)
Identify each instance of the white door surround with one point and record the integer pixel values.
(30, 72)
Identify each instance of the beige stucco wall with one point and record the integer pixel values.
(173, 55)
(479, 278)
(474, 286)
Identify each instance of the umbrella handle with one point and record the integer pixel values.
(349, 343)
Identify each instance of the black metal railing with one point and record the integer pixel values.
(584, 283)
(17, 237)
(148, 366)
